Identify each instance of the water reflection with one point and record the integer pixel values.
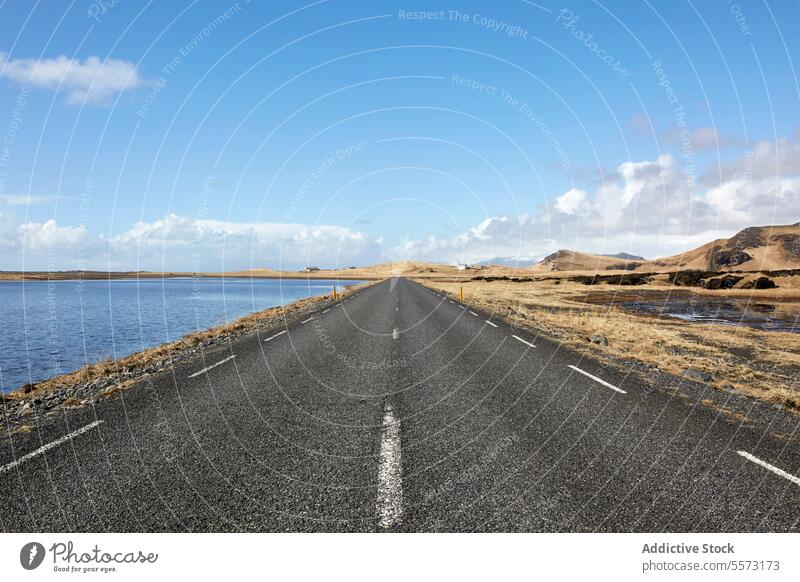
(754, 312)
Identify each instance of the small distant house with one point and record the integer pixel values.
(310, 269)
(462, 267)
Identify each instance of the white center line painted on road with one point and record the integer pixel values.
(307, 320)
(49, 446)
(490, 323)
(773, 468)
(473, 313)
(516, 337)
(326, 310)
(596, 379)
(451, 301)
(389, 506)
(207, 368)
(276, 335)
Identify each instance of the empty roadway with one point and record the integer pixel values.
(400, 410)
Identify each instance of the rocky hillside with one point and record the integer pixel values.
(756, 248)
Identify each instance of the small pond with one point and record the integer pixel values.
(758, 312)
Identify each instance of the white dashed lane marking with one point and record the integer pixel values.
(473, 313)
(307, 320)
(516, 337)
(490, 323)
(276, 335)
(598, 380)
(773, 468)
(49, 446)
(389, 507)
(207, 368)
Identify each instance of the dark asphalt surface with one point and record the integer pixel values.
(494, 436)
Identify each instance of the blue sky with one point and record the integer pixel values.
(230, 135)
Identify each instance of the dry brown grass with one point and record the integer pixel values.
(770, 373)
(135, 362)
(111, 390)
(22, 429)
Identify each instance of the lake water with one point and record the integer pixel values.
(56, 327)
(761, 313)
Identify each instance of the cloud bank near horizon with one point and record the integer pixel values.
(180, 243)
(650, 208)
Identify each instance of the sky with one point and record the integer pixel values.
(234, 135)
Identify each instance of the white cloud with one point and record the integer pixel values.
(651, 196)
(38, 237)
(650, 209)
(755, 203)
(498, 236)
(93, 79)
(775, 160)
(572, 201)
(184, 243)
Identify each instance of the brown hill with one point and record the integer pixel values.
(756, 248)
(565, 260)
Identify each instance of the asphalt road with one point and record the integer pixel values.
(398, 410)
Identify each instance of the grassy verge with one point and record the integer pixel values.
(756, 363)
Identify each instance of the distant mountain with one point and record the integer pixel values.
(523, 263)
(566, 260)
(512, 262)
(626, 256)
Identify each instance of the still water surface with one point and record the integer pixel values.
(758, 312)
(56, 327)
